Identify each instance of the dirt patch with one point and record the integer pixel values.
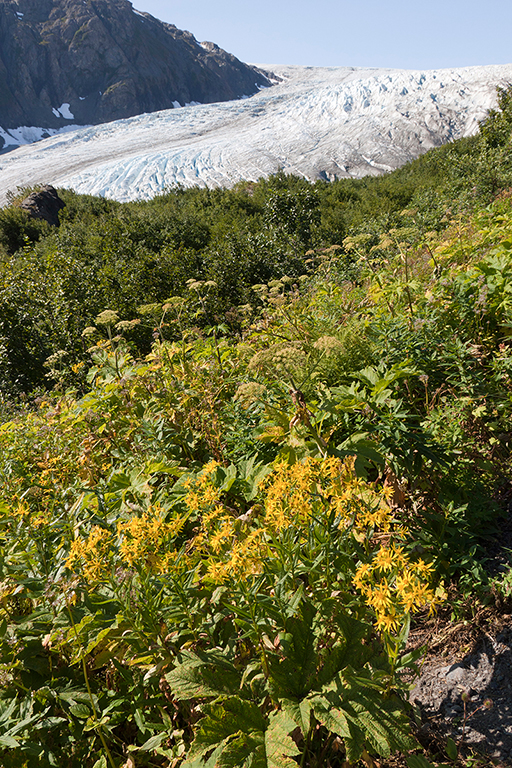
(465, 687)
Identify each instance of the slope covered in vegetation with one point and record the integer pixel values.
(247, 436)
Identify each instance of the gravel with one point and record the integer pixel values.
(484, 676)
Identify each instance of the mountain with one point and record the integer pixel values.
(318, 123)
(85, 62)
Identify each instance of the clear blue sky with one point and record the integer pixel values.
(386, 33)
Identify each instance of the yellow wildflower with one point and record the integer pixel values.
(384, 559)
(380, 597)
(387, 622)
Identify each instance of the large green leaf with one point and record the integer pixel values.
(279, 746)
(299, 712)
(351, 652)
(245, 750)
(204, 762)
(203, 676)
(332, 717)
(293, 675)
(225, 720)
(377, 715)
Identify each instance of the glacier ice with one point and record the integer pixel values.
(316, 122)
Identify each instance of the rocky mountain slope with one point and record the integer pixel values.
(84, 62)
(317, 122)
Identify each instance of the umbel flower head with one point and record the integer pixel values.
(328, 345)
(107, 317)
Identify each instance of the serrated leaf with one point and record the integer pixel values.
(223, 720)
(375, 733)
(299, 712)
(203, 677)
(244, 750)
(279, 746)
(200, 762)
(294, 675)
(333, 718)
(80, 710)
(381, 720)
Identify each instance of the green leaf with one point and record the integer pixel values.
(294, 675)
(245, 750)
(101, 763)
(225, 720)
(374, 732)
(25, 722)
(418, 761)
(5, 715)
(352, 652)
(228, 477)
(153, 743)
(80, 710)
(203, 676)
(299, 712)
(333, 718)
(198, 762)
(451, 749)
(9, 742)
(279, 746)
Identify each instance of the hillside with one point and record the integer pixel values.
(68, 62)
(256, 452)
(317, 123)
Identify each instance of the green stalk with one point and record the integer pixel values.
(89, 692)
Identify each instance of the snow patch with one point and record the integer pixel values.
(63, 111)
(24, 135)
(19, 14)
(176, 105)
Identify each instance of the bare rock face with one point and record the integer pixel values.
(44, 204)
(85, 62)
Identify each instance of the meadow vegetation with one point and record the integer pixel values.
(247, 437)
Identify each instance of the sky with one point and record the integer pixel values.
(431, 34)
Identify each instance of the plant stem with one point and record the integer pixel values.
(89, 692)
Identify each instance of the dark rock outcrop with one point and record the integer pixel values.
(44, 204)
(82, 62)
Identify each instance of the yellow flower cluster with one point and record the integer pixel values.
(236, 546)
(91, 554)
(149, 540)
(293, 491)
(229, 546)
(394, 586)
(146, 542)
(201, 493)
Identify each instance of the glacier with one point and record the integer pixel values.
(316, 122)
